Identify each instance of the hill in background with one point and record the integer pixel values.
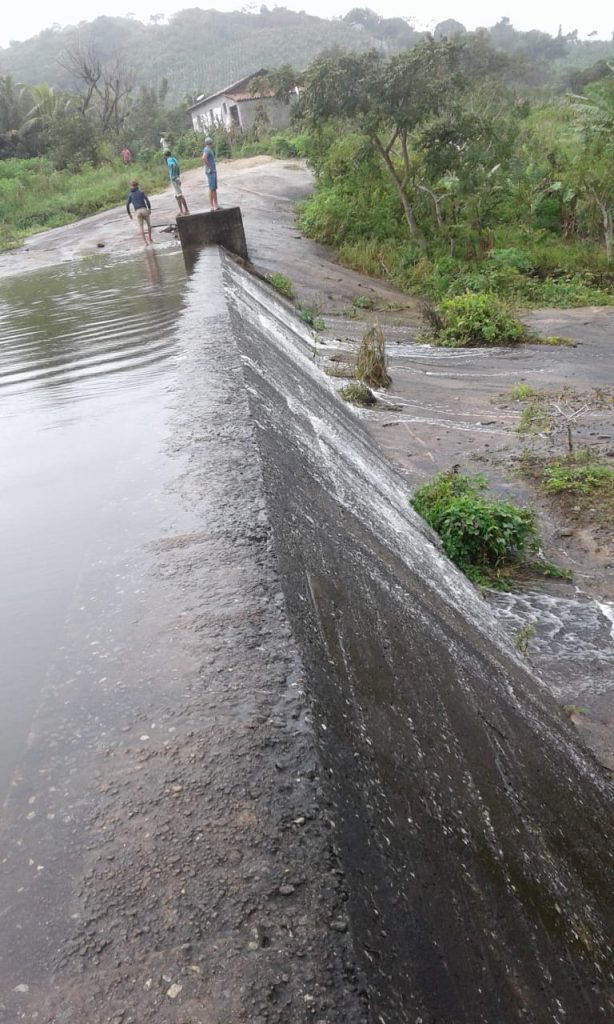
(199, 51)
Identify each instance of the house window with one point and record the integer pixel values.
(234, 116)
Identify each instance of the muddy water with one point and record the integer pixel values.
(165, 844)
(86, 354)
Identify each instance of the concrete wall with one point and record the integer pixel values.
(477, 834)
(218, 112)
(224, 227)
(277, 113)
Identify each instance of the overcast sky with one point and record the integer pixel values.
(26, 18)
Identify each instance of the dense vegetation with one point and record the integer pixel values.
(199, 51)
(440, 170)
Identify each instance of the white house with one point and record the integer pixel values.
(236, 106)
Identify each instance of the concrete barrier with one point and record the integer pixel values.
(476, 833)
(223, 227)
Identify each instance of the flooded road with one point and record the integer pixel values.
(86, 354)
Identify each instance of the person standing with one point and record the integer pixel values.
(126, 156)
(210, 169)
(142, 209)
(174, 174)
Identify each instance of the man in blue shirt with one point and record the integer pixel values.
(139, 201)
(210, 170)
(174, 175)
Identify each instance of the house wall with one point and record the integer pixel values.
(277, 113)
(208, 115)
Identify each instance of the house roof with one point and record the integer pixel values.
(236, 90)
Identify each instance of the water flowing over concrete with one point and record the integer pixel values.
(475, 829)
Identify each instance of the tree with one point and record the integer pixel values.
(448, 28)
(592, 168)
(105, 86)
(20, 120)
(281, 82)
(390, 99)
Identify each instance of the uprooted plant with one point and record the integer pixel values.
(557, 414)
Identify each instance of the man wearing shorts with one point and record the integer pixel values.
(173, 173)
(142, 210)
(210, 170)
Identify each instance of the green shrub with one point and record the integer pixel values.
(520, 392)
(363, 302)
(283, 148)
(281, 284)
(510, 258)
(478, 533)
(477, 320)
(534, 418)
(577, 475)
(309, 317)
(357, 393)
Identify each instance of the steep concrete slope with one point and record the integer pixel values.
(476, 831)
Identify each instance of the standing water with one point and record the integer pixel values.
(86, 351)
(169, 790)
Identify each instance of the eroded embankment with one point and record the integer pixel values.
(477, 832)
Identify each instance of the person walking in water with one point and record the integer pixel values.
(174, 175)
(142, 209)
(210, 169)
